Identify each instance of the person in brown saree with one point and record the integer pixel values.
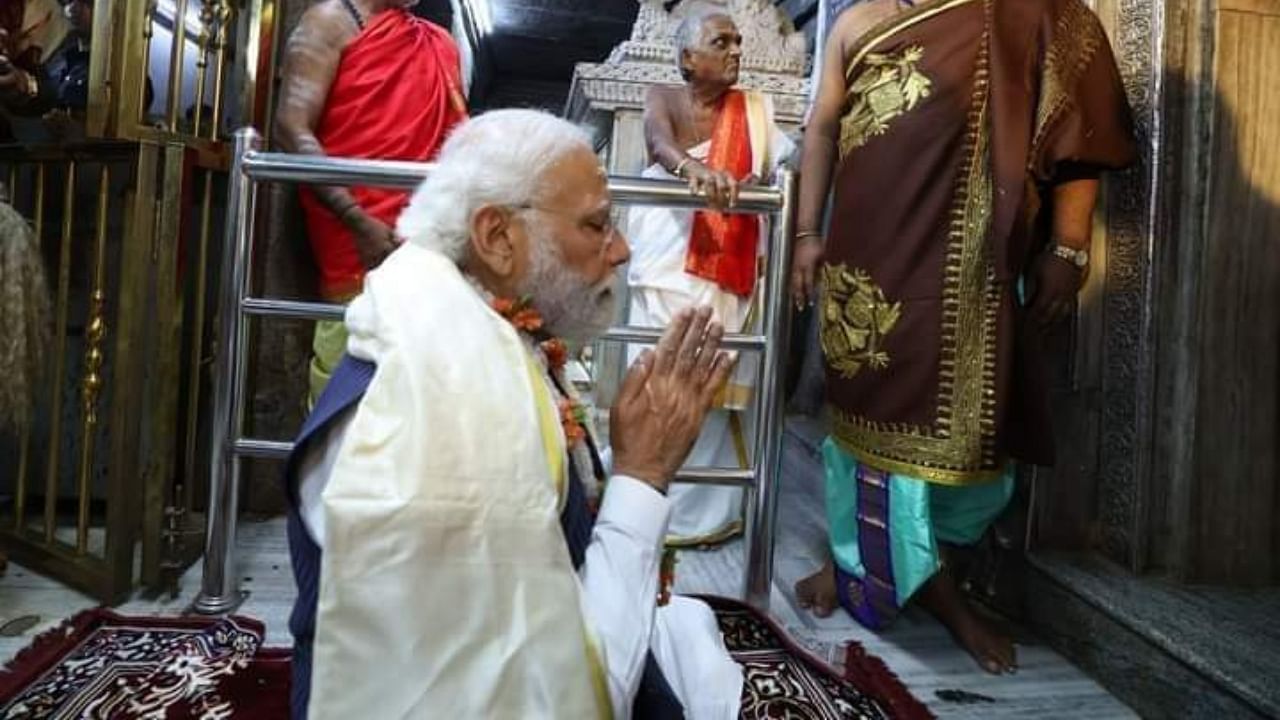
(963, 142)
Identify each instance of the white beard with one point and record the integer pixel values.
(571, 308)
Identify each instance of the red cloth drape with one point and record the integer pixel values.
(395, 96)
(723, 246)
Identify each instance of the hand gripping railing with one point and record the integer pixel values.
(219, 592)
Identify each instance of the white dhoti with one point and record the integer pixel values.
(701, 514)
(660, 288)
(691, 652)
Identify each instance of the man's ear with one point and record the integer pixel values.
(492, 242)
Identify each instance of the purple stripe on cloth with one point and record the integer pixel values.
(872, 600)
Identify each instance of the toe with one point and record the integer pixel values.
(1011, 659)
(804, 595)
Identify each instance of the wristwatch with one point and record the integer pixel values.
(1078, 258)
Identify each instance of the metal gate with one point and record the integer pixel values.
(123, 196)
(219, 591)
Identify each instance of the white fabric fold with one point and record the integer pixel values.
(446, 588)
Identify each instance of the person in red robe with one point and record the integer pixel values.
(362, 79)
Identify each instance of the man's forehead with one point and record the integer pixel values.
(580, 180)
(715, 25)
(598, 197)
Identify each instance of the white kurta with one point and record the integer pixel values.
(660, 288)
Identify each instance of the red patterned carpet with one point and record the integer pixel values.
(101, 666)
(782, 680)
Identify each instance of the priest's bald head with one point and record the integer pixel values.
(518, 199)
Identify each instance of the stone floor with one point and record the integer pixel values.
(917, 649)
(1226, 641)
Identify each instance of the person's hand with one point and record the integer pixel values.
(719, 186)
(659, 411)
(804, 267)
(374, 239)
(1056, 284)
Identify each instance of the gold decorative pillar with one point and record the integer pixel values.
(113, 450)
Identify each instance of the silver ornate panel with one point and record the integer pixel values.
(1128, 304)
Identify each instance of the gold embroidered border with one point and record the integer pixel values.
(960, 449)
(894, 25)
(1076, 39)
(929, 473)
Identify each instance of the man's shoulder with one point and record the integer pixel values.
(438, 33)
(662, 98)
(427, 25)
(663, 93)
(859, 18)
(328, 19)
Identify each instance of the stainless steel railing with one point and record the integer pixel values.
(219, 592)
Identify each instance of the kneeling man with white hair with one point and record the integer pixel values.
(448, 561)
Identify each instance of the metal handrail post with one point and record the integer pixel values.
(762, 505)
(282, 167)
(219, 590)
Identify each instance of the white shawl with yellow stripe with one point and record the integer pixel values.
(446, 588)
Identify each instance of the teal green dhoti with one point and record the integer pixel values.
(885, 529)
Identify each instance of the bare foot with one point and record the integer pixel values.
(818, 591)
(991, 648)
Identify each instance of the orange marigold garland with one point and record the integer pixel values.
(519, 312)
(573, 418)
(557, 353)
(526, 319)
